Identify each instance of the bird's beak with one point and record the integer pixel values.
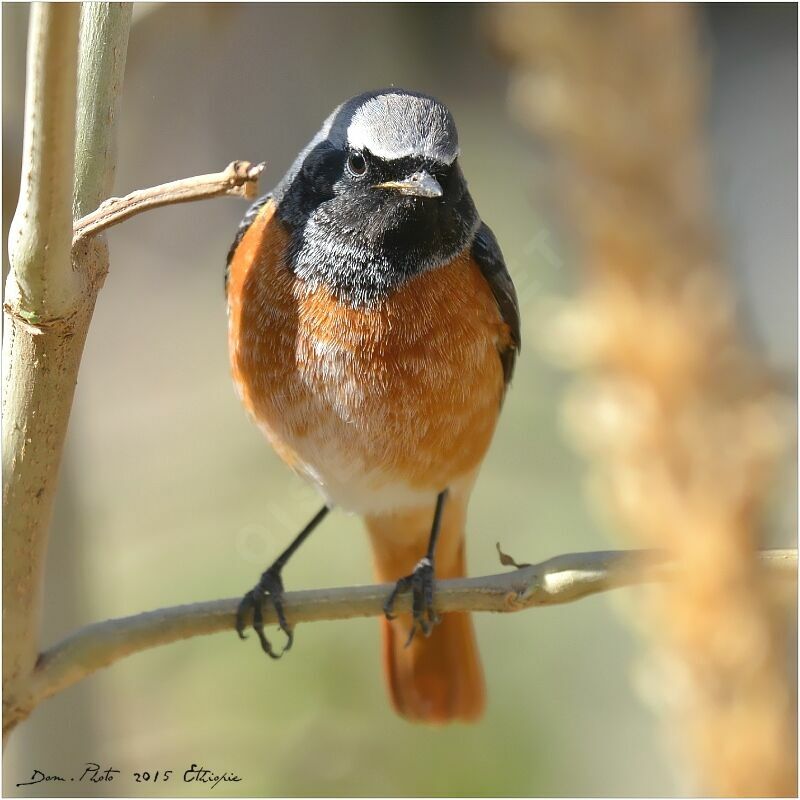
(420, 184)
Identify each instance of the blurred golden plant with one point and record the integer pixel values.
(684, 427)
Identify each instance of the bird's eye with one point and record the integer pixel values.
(356, 164)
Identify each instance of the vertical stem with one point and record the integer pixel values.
(50, 296)
(42, 284)
(39, 342)
(101, 67)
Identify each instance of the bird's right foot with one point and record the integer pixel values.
(268, 589)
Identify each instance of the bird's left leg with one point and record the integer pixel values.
(421, 582)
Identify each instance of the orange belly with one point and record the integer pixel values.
(380, 407)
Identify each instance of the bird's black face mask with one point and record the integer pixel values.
(370, 204)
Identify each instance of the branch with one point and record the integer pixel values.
(558, 580)
(238, 179)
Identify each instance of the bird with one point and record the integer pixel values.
(373, 330)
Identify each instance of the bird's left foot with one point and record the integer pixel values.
(421, 583)
(269, 588)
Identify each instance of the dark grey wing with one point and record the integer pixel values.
(246, 222)
(489, 259)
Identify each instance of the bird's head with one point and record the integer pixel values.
(378, 195)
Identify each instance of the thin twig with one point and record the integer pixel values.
(557, 580)
(239, 179)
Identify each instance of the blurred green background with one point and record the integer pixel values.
(170, 495)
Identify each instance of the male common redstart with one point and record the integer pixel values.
(373, 330)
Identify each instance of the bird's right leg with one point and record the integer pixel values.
(270, 587)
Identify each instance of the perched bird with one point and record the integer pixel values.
(373, 330)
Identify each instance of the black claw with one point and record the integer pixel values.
(421, 583)
(246, 603)
(403, 585)
(269, 587)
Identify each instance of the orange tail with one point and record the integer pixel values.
(436, 679)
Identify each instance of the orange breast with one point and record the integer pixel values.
(378, 406)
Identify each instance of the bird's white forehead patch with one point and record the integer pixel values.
(399, 125)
